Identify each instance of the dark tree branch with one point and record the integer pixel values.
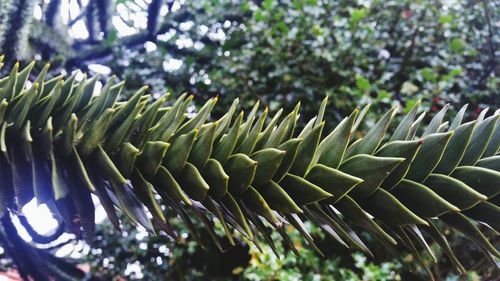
(21, 253)
(103, 8)
(11, 253)
(90, 21)
(101, 51)
(59, 245)
(77, 18)
(38, 238)
(93, 50)
(153, 15)
(50, 19)
(51, 12)
(33, 263)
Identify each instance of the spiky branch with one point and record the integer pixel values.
(60, 144)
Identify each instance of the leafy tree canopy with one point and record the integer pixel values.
(357, 52)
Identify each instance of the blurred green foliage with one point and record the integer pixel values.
(357, 52)
(382, 52)
(134, 254)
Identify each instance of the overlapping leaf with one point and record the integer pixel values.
(60, 144)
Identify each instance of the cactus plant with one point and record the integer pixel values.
(60, 143)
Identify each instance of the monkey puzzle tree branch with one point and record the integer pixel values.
(148, 159)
